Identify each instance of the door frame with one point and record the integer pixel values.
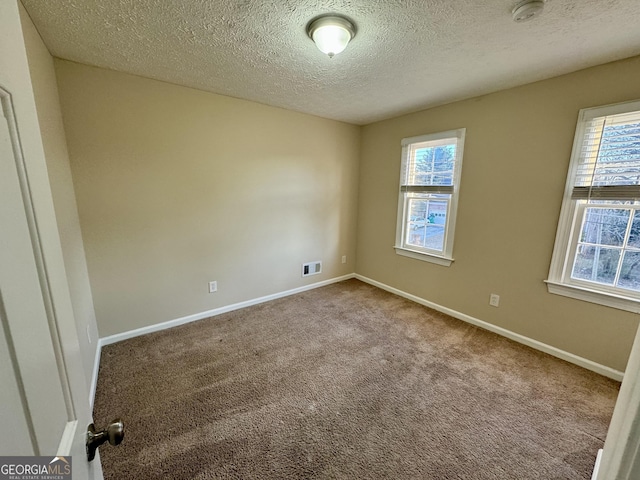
(620, 457)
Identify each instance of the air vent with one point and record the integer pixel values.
(312, 268)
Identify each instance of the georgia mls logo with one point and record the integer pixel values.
(35, 468)
(60, 466)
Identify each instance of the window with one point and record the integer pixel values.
(597, 252)
(429, 184)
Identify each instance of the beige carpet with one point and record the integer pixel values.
(346, 382)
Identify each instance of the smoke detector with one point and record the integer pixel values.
(526, 10)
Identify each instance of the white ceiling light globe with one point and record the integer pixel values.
(331, 33)
(331, 39)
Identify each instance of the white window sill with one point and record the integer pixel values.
(425, 257)
(588, 295)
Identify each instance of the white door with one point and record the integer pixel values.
(44, 404)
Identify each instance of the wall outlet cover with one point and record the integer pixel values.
(494, 300)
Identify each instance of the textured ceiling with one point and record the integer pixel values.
(406, 56)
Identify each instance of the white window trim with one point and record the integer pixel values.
(446, 258)
(561, 260)
(425, 257)
(593, 296)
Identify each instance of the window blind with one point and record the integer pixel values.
(609, 161)
(430, 168)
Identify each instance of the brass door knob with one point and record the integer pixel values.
(114, 433)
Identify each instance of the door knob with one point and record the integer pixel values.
(114, 433)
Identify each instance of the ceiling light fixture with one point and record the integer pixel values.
(527, 10)
(331, 33)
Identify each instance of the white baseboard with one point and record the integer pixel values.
(94, 375)
(556, 352)
(596, 467)
(118, 337)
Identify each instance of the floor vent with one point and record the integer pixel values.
(312, 268)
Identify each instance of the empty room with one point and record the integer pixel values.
(321, 239)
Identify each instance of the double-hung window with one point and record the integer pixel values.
(597, 251)
(429, 185)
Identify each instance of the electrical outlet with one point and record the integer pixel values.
(88, 334)
(213, 287)
(494, 300)
(344, 259)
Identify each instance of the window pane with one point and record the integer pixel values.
(610, 151)
(619, 155)
(432, 165)
(634, 237)
(596, 264)
(417, 213)
(434, 237)
(630, 272)
(427, 220)
(604, 226)
(430, 236)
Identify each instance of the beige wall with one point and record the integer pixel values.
(177, 187)
(517, 141)
(45, 91)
